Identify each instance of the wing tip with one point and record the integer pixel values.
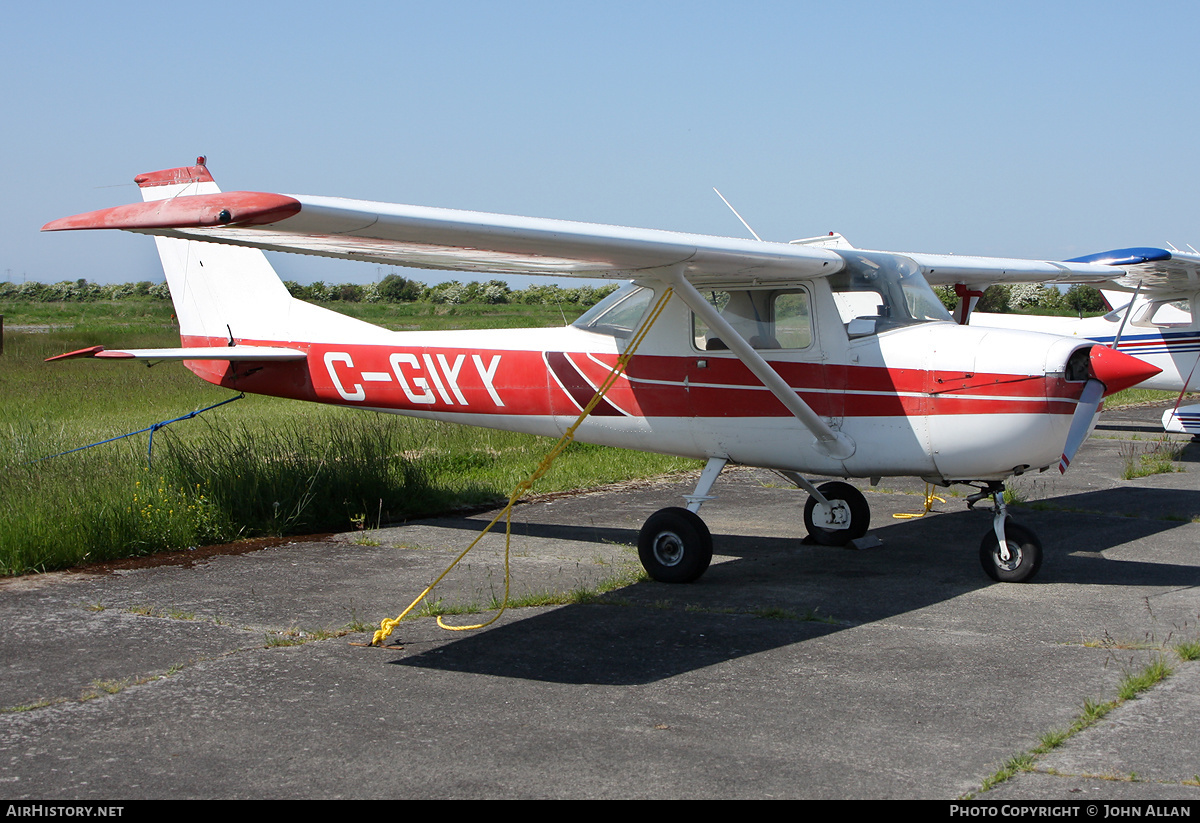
(239, 208)
(1124, 257)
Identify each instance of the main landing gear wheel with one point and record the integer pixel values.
(675, 546)
(1024, 554)
(852, 503)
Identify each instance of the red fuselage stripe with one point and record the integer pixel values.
(514, 382)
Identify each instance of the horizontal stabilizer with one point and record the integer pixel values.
(254, 353)
(1185, 419)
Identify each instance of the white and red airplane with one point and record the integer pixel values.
(806, 357)
(1154, 316)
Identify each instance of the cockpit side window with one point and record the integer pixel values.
(766, 319)
(618, 314)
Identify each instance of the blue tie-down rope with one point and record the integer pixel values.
(151, 429)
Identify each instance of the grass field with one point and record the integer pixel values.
(256, 466)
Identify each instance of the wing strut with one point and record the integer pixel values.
(834, 443)
(1125, 317)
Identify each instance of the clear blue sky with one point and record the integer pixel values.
(1043, 130)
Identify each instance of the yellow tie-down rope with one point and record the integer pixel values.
(386, 627)
(929, 498)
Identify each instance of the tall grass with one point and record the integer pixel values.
(328, 470)
(300, 477)
(258, 466)
(1140, 397)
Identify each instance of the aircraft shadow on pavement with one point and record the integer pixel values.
(1135, 426)
(615, 645)
(1077, 527)
(659, 631)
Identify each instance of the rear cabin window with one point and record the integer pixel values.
(1173, 314)
(777, 319)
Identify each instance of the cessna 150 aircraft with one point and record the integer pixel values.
(1156, 318)
(804, 357)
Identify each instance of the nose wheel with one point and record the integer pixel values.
(675, 546)
(1009, 552)
(1017, 561)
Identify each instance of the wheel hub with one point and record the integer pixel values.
(835, 516)
(668, 548)
(1013, 559)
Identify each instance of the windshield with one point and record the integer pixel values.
(619, 313)
(877, 292)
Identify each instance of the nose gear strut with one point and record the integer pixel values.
(1009, 552)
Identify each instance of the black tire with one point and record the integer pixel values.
(1025, 550)
(860, 515)
(675, 546)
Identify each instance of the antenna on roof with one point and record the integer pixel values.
(738, 216)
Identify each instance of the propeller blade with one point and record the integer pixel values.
(1081, 421)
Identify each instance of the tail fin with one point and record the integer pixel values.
(1185, 419)
(221, 293)
(833, 240)
(1118, 300)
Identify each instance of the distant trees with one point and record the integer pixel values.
(1023, 297)
(397, 289)
(1083, 299)
(995, 299)
(74, 291)
(391, 289)
(1032, 298)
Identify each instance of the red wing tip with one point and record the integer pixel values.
(235, 208)
(91, 351)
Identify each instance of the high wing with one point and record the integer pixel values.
(953, 269)
(1158, 273)
(436, 238)
(981, 272)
